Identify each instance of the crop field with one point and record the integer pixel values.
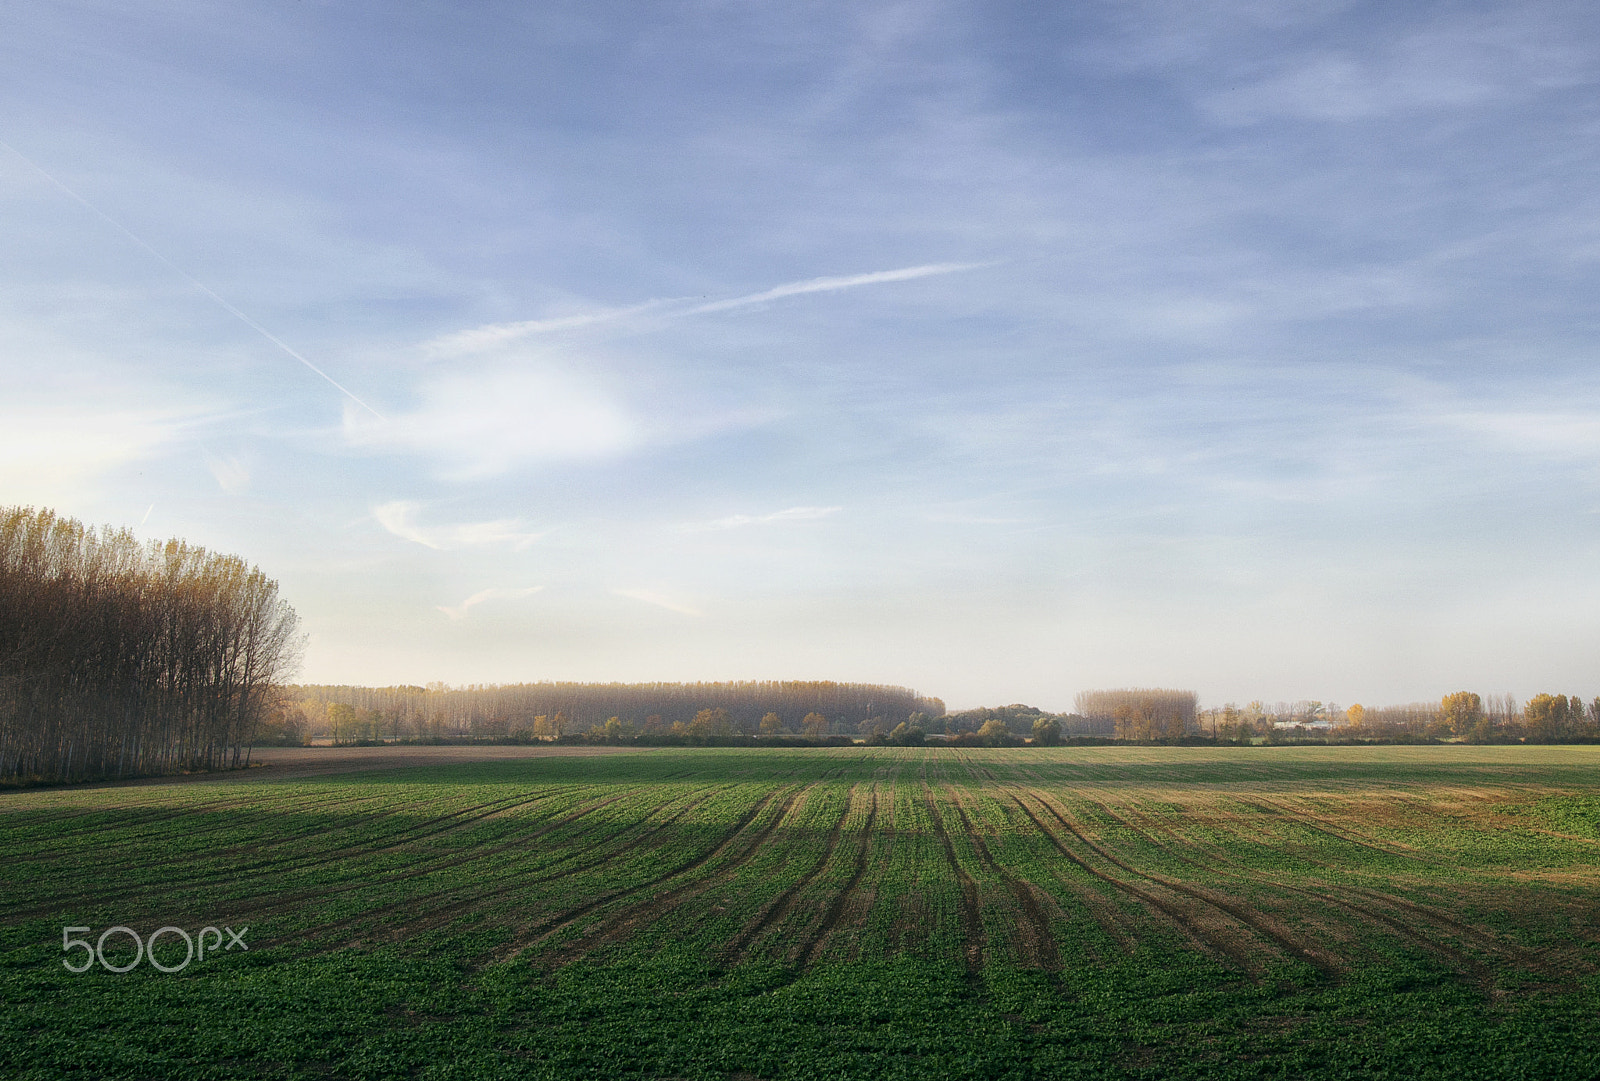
(841, 913)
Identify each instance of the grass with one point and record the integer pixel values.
(820, 913)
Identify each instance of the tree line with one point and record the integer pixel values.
(874, 714)
(1141, 713)
(120, 657)
(1165, 715)
(550, 711)
(1462, 715)
(1544, 718)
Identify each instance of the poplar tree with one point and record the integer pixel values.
(120, 658)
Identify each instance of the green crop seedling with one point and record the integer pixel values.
(825, 912)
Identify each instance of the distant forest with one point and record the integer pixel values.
(548, 711)
(815, 711)
(120, 658)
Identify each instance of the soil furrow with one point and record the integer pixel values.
(191, 834)
(971, 915)
(620, 925)
(1338, 896)
(779, 907)
(1478, 938)
(1204, 937)
(408, 835)
(1317, 824)
(1329, 892)
(136, 819)
(279, 902)
(422, 919)
(541, 932)
(1036, 941)
(830, 918)
(1252, 918)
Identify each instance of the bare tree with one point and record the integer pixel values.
(120, 658)
(1141, 713)
(515, 710)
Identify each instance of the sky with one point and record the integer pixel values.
(999, 350)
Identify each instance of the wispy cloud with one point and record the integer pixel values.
(1441, 67)
(49, 450)
(459, 611)
(660, 600)
(492, 335)
(734, 521)
(400, 518)
(480, 424)
(231, 475)
(1556, 434)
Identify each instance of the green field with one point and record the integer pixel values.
(850, 912)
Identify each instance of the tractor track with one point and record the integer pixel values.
(1036, 943)
(621, 925)
(1258, 922)
(830, 919)
(776, 910)
(1204, 937)
(406, 836)
(191, 834)
(427, 918)
(972, 935)
(1341, 896)
(534, 936)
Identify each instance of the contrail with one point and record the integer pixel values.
(497, 333)
(191, 279)
(829, 285)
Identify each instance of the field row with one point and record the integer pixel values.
(1038, 861)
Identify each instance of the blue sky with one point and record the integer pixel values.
(993, 350)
